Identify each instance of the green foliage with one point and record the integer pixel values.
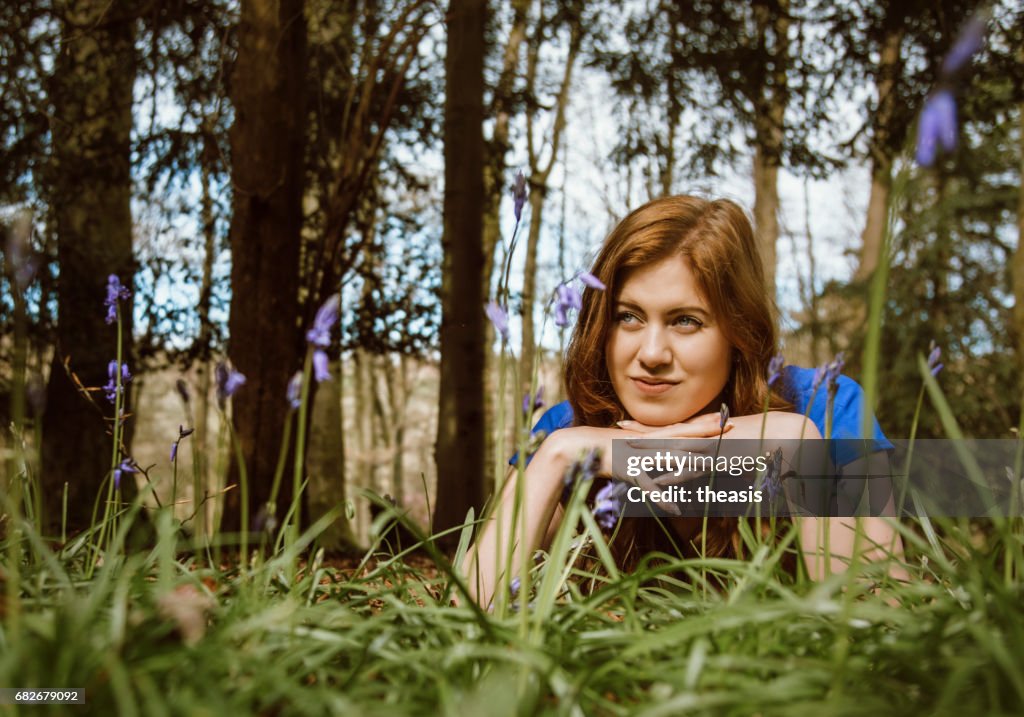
(950, 277)
(159, 634)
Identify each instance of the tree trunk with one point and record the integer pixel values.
(766, 210)
(365, 479)
(91, 129)
(881, 157)
(768, 134)
(497, 148)
(495, 170)
(459, 451)
(267, 149)
(673, 109)
(538, 193)
(201, 412)
(528, 347)
(1018, 262)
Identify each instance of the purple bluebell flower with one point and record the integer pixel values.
(936, 126)
(566, 299)
(583, 470)
(228, 382)
(608, 505)
(513, 586)
(326, 318)
(320, 370)
(773, 476)
(498, 317)
(519, 195)
(111, 388)
(115, 292)
(537, 402)
(832, 373)
(819, 376)
(592, 281)
(294, 393)
(775, 368)
(934, 358)
(126, 466)
(182, 434)
(967, 45)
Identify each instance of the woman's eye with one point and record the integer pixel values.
(688, 322)
(626, 317)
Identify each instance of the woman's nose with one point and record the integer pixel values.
(654, 348)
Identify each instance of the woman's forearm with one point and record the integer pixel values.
(487, 560)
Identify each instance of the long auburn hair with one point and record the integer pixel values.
(716, 239)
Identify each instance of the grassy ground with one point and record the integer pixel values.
(159, 632)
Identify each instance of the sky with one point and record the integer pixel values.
(832, 209)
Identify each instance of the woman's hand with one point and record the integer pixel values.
(706, 425)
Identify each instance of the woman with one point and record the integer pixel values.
(685, 324)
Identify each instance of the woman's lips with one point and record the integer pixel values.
(651, 388)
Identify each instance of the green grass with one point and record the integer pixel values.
(380, 639)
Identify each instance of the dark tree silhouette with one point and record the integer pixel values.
(267, 155)
(91, 95)
(459, 451)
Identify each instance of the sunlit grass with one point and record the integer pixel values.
(161, 632)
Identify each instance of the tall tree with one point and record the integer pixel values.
(540, 170)
(459, 451)
(882, 148)
(733, 61)
(91, 95)
(375, 79)
(769, 95)
(267, 169)
(1018, 254)
(884, 41)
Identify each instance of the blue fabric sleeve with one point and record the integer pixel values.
(557, 417)
(847, 412)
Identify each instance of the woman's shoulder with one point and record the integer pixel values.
(775, 424)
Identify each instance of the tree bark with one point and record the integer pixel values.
(881, 157)
(267, 150)
(497, 148)
(770, 109)
(495, 185)
(201, 412)
(459, 451)
(91, 129)
(1018, 262)
(539, 176)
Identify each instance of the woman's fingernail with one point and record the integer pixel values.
(622, 424)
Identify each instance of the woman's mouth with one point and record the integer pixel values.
(651, 387)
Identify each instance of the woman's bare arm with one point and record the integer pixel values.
(530, 529)
(828, 545)
(542, 484)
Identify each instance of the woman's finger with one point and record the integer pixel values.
(697, 444)
(682, 430)
(708, 423)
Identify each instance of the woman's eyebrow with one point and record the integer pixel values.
(626, 304)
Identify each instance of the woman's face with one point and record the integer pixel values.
(666, 354)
